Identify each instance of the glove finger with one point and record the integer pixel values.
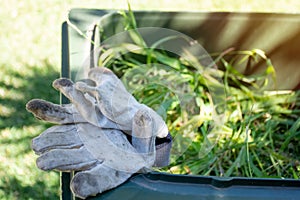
(97, 180)
(101, 74)
(84, 106)
(57, 137)
(159, 126)
(103, 104)
(66, 160)
(84, 103)
(143, 137)
(54, 113)
(115, 102)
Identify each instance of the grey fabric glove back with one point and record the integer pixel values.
(91, 135)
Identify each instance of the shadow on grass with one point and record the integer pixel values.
(15, 189)
(18, 127)
(37, 84)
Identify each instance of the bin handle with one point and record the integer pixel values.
(93, 34)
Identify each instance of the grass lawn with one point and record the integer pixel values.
(30, 61)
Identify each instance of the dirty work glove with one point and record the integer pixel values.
(98, 153)
(109, 103)
(104, 158)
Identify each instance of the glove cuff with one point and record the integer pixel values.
(163, 149)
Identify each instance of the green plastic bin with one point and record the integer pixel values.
(276, 34)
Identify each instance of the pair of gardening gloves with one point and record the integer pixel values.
(104, 134)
